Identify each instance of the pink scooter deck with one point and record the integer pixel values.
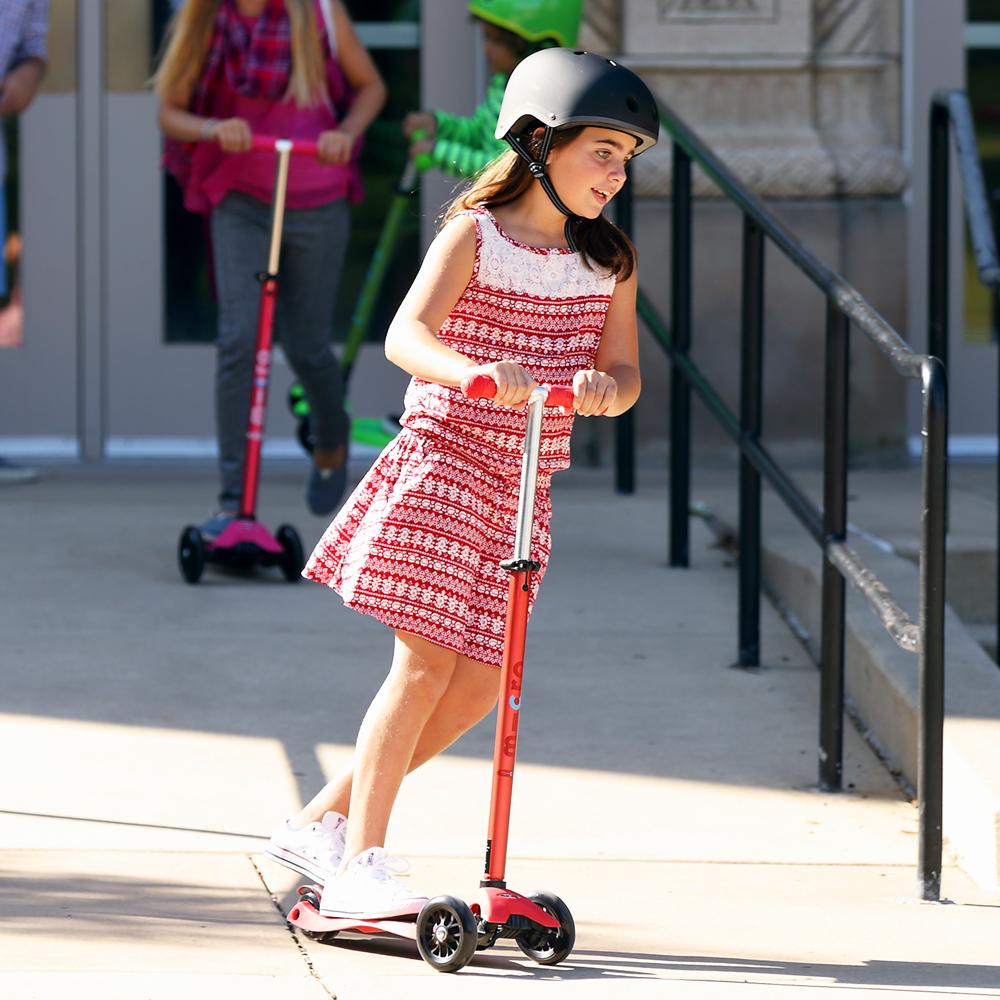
(243, 531)
(303, 914)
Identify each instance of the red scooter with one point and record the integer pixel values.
(245, 542)
(448, 932)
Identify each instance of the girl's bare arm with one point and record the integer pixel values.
(361, 74)
(618, 353)
(176, 122)
(412, 342)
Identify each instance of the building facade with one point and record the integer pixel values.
(819, 105)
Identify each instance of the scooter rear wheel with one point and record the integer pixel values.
(549, 945)
(322, 937)
(446, 933)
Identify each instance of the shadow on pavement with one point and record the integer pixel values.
(609, 965)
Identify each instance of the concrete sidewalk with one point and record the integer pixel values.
(152, 733)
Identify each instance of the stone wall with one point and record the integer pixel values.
(801, 99)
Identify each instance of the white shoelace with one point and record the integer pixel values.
(383, 868)
(331, 846)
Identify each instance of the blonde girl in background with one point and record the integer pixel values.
(292, 68)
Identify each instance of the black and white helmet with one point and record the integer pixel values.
(558, 88)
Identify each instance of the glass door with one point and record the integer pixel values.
(40, 348)
(160, 303)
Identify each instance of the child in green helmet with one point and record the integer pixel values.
(512, 30)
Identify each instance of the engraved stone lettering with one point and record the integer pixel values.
(716, 11)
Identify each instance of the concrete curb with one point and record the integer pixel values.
(882, 685)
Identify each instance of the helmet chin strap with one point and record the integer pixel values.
(538, 171)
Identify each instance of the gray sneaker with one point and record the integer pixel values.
(11, 472)
(216, 524)
(325, 488)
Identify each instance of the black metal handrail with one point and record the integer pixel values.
(951, 112)
(827, 526)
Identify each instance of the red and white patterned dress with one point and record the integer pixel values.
(419, 542)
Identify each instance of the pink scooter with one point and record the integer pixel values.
(245, 542)
(448, 932)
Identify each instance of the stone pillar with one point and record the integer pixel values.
(799, 97)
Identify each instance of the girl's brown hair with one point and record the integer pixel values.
(189, 37)
(507, 177)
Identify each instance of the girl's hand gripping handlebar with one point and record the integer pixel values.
(483, 387)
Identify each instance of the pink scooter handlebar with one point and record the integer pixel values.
(300, 147)
(483, 387)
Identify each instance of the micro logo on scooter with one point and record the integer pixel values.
(517, 670)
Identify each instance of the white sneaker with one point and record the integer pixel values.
(366, 888)
(315, 850)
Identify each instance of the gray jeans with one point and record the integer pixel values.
(312, 252)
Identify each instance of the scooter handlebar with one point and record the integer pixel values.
(268, 144)
(483, 387)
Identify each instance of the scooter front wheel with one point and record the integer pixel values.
(191, 554)
(446, 933)
(549, 945)
(292, 557)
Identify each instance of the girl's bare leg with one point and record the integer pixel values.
(418, 678)
(469, 697)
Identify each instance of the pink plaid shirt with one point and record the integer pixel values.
(255, 61)
(246, 74)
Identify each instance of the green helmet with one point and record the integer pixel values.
(557, 21)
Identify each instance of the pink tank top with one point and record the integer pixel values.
(310, 183)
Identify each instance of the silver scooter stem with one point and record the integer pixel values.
(529, 475)
(284, 150)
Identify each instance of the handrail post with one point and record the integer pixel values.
(831, 710)
(938, 224)
(930, 747)
(680, 391)
(625, 422)
(938, 244)
(751, 394)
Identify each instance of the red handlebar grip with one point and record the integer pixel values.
(300, 147)
(479, 387)
(560, 395)
(483, 387)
